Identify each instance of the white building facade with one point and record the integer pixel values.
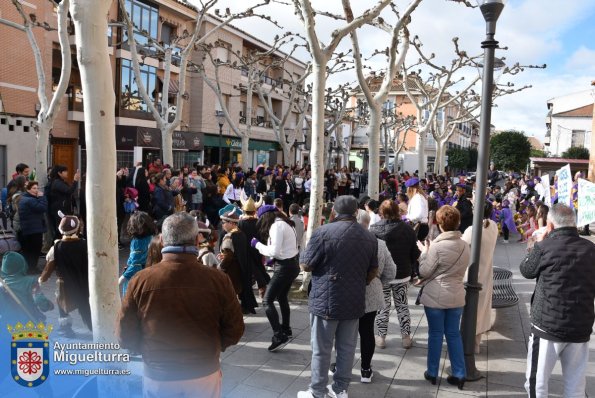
(569, 122)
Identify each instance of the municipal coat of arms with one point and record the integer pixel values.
(29, 353)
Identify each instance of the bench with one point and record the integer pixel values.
(503, 294)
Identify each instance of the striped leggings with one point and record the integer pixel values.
(399, 295)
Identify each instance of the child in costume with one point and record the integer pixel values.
(141, 228)
(506, 220)
(205, 252)
(68, 257)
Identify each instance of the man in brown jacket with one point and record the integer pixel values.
(180, 315)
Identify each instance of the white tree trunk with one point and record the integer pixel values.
(421, 153)
(90, 20)
(440, 153)
(166, 144)
(374, 151)
(317, 150)
(287, 158)
(41, 152)
(245, 153)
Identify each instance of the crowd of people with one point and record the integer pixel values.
(202, 238)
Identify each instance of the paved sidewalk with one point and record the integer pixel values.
(249, 370)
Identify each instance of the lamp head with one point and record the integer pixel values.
(220, 118)
(491, 10)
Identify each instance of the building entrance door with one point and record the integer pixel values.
(63, 152)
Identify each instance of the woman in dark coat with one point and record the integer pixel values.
(60, 195)
(141, 184)
(32, 208)
(163, 200)
(401, 241)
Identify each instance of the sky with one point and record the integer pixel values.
(559, 33)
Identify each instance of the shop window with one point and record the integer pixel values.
(185, 158)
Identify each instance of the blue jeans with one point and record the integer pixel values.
(344, 334)
(445, 322)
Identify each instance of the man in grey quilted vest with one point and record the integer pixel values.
(343, 258)
(562, 310)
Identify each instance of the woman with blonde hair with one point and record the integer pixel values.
(417, 208)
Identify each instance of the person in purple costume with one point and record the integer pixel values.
(507, 220)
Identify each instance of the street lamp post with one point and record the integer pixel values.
(491, 10)
(221, 121)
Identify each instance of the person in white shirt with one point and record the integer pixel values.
(233, 192)
(539, 189)
(282, 247)
(307, 188)
(372, 207)
(417, 208)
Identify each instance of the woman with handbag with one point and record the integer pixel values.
(442, 266)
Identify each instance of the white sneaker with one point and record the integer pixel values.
(333, 394)
(305, 394)
(366, 375)
(380, 341)
(505, 241)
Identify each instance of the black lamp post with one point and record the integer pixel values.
(221, 121)
(491, 10)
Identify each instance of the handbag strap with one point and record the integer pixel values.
(437, 275)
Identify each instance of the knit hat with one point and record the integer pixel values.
(230, 213)
(345, 204)
(69, 225)
(13, 263)
(411, 182)
(266, 209)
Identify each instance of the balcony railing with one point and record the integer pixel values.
(260, 122)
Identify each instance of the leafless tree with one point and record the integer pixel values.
(49, 105)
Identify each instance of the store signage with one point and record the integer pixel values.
(233, 143)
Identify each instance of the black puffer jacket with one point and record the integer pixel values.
(562, 304)
(341, 255)
(401, 241)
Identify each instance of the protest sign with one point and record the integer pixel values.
(586, 202)
(565, 185)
